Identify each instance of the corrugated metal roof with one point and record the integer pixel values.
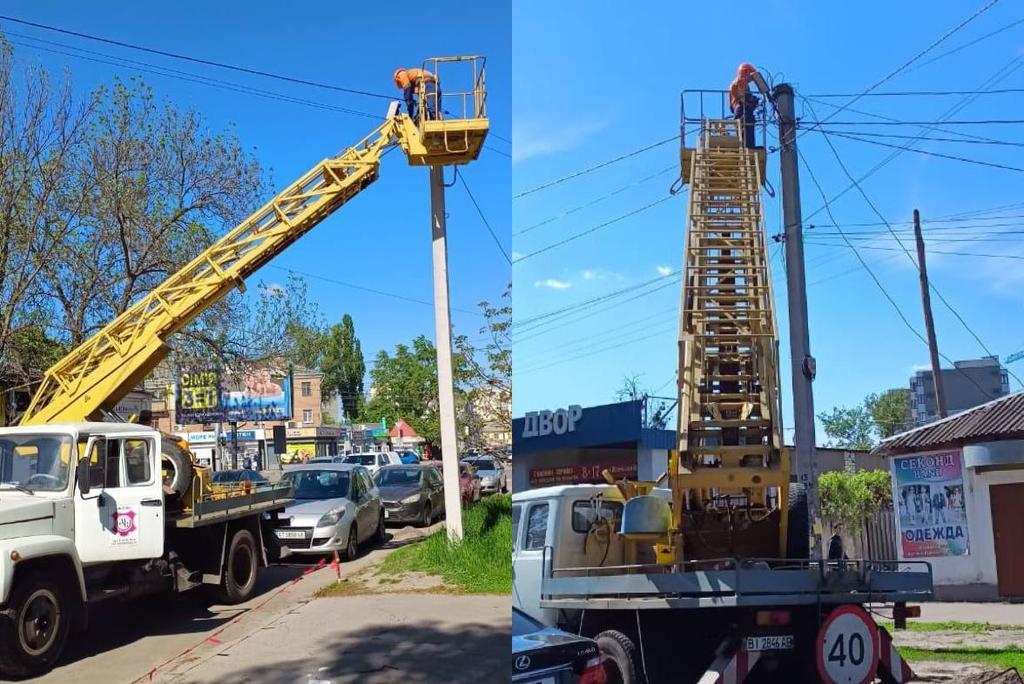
(998, 419)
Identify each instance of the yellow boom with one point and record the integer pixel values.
(101, 371)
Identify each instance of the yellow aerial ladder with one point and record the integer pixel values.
(97, 374)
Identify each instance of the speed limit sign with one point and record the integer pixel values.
(847, 647)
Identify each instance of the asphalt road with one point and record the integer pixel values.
(126, 641)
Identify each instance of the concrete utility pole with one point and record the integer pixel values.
(445, 380)
(929, 324)
(803, 364)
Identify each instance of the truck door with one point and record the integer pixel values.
(122, 516)
(531, 534)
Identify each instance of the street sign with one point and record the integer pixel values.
(847, 647)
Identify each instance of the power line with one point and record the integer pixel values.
(930, 251)
(197, 60)
(966, 45)
(957, 141)
(927, 93)
(577, 236)
(934, 44)
(499, 137)
(596, 200)
(191, 78)
(908, 148)
(483, 218)
(814, 125)
(497, 151)
(878, 213)
(874, 277)
(590, 169)
(392, 295)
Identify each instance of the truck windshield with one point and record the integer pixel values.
(36, 462)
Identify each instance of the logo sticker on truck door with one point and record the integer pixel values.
(126, 527)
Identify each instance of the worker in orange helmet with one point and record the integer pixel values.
(409, 80)
(744, 103)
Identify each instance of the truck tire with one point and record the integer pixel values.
(798, 545)
(179, 463)
(623, 655)
(35, 626)
(240, 568)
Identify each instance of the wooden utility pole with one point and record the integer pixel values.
(929, 324)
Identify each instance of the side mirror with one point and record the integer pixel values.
(82, 475)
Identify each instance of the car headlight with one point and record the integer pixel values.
(411, 499)
(331, 517)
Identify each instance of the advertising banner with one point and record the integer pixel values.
(928, 490)
(198, 399)
(263, 395)
(298, 453)
(589, 473)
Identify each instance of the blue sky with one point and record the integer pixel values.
(602, 79)
(382, 239)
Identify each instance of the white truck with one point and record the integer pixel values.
(84, 518)
(753, 620)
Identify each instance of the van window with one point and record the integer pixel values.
(536, 527)
(516, 512)
(136, 459)
(584, 513)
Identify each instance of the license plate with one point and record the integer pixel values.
(291, 534)
(387, 514)
(774, 642)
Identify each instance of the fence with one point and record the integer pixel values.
(875, 541)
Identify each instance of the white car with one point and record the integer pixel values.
(493, 476)
(337, 507)
(373, 460)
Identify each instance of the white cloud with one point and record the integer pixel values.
(553, 284)
(539, 139)
(664, 270)
(588, 274)
(275, 289)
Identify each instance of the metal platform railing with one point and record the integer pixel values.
(697, 106)
(469, 102)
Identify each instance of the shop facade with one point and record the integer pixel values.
(574, 444)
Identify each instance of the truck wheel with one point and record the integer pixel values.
(798, 544)
(623, 655)
(179, 465)
(35, 627)
(239, 578)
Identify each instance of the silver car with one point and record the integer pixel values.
(493, 477)
(337, 507)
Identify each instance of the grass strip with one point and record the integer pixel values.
(1001, 658)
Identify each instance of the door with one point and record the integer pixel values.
(122, 516)
(1008, 536)
(533, 529)
(435, 489)
(368, 504)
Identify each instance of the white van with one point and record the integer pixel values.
(577, 526)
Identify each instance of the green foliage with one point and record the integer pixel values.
(850, 498)
(848, 428)
(890, 411)
(343, 366)
(488, 401)
(405, 386)
(481, 564)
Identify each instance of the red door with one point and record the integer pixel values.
(1007, 502)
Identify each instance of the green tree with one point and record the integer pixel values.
(848, 428)
(890, 411)
(488, 395)
(851, 498)
(343, 366)
(404, 385)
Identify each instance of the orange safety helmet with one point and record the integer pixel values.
(397, 76)
(746, 70)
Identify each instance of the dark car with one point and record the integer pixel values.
(411, 493)
(545, 655)
(243, 475)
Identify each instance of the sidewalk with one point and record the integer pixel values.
(370, 638)
(994, 613)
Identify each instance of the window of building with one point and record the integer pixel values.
(307, 389)
(307, 415)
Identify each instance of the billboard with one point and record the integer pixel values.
(928, 491)
(198, 396)
(206, 397)
(261, 395)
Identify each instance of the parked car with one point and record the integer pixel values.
(411, 493)
(409, 458)
(373, 460)
(242, 475)
(493, 476)
(337, 507)
(544, 654)
(469, 484)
